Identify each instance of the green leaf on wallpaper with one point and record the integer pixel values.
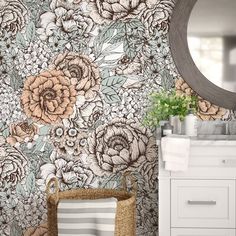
(20, 40)
(20, 191)
(15, 81)
(6, 132)
(130, 49)
(15, 229)
(119, 37)
(110, 48)
(105, 73)
(44, 130)
(30, 182)
(110, 95)
(115, 81)
(30, 31)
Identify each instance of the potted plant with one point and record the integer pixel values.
(166, 104)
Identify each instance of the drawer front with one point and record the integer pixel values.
(203, 203)
(202, 232)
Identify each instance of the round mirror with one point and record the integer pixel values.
(212, 41)
(202, 40)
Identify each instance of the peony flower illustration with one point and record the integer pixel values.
(41, 230)
(206, 110)
(12, 15)
(19, 132)
(158, 16)
(13, 165)
(115, 9)
(64, 20)
(68, 172)
(48, 97)
(81, 70)
(120, 145)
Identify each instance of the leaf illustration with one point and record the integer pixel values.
(111, 47)
(110, 95)
(30, 31)
(20, 191)
(15, 81)
(20, 40)
(30, 183)
(115, 81)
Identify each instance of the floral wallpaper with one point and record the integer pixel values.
(75, 76)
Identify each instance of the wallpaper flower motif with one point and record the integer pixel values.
(74, 83)
(22, 131)
(49, 97)
(13, 165)
(82, 71)
(120, 145)
(12, 15)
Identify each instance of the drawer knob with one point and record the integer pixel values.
(201, 202)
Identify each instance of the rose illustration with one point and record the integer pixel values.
(206, 110)
(41, 230)
(82, 72)
(12, 164)
(48, 97)
(120, 145)
(12, 15)
(21, 131)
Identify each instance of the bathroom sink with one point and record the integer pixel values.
(215, 137)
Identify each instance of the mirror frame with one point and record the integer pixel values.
(185, 64)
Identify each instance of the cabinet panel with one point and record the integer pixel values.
(202, 232)
(203, 203)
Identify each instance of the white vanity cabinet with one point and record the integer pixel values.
(202, 200)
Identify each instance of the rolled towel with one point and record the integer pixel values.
(86, 217)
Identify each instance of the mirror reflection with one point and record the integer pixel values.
(212, 41)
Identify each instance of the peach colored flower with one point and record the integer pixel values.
(20, 131)
(48, 97)
(82, 72)
(206, 110)
(41, 230)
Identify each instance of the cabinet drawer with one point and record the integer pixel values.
(203, 203)
(202, 232)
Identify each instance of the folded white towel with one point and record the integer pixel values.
(175, 152)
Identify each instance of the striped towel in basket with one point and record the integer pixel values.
(86, 217)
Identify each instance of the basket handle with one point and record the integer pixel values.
(53, 181)
(128, 176)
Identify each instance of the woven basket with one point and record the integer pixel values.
(125, 212)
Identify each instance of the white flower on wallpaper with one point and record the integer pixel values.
(13, 165)
(88, 112)
(33, 59)
(120, 145)
(65, 19)
(13, 15)
(10, 104)
(69, 141)
(69, 173)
